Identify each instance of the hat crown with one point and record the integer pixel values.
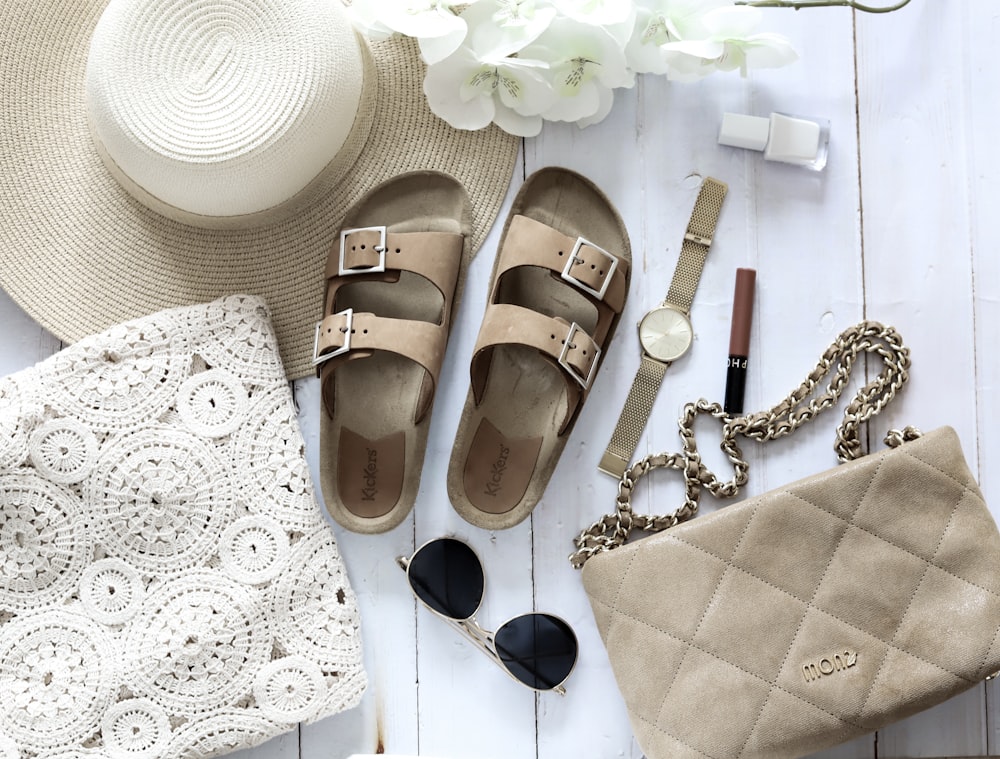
(225, 110)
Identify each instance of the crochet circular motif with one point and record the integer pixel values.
(120, 378)
(212, 403)
(314, 580)
(135, 729)
(291, 689)
(268, 451)
(56, 678)
(111, 591)
(253, 549)
(197, 643)
(239, 342)
(160, 499)
(44, 545)
(63, 450)
(220, 733)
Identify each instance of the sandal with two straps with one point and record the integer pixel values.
(559, 285)
(393, 278)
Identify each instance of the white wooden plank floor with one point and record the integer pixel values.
(901, 227)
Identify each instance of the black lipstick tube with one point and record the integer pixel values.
(739, 341)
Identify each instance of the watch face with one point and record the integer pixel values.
(665, 333)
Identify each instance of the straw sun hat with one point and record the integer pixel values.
(155, 153)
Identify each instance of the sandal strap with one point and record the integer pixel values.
(347, 335)
(601, 275)
(374, 253)
(565, 345)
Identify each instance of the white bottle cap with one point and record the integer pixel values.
(793, 140)
(741, 131)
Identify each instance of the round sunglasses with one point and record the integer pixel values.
(537, 650)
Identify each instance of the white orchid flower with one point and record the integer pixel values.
(500, 28)
(469, 92)
(617, 17)
(436, 24)
(728, 44)
(658, 22)
(585, 63)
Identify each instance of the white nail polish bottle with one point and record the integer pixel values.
(790, 139)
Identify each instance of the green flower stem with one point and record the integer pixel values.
(822, 3)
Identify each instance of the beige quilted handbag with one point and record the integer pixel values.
(813, 613)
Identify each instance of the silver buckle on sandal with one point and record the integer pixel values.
(567, 272)
(583, 381)
(348, 313)
(380, 249)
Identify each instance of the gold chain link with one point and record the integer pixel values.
(837, 362)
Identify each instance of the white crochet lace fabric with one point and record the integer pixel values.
(168, 587)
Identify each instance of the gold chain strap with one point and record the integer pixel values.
(867, 337)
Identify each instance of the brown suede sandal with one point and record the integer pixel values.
(393, 277)
(559, 284)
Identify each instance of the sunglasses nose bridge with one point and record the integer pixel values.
(477, 631)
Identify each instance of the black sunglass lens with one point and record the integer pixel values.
(446, 575)
(538, 649)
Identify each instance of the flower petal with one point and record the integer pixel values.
(584, 103)
(452, 96)
(516, 123)
(501, 29)
(524, 90)
(707, 49)
(436, 49)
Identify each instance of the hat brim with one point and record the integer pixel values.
(79, 254)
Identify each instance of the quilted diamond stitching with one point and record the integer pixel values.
(816, 590)
(683, 742)
(966, 491)
(690, 643)
(787, 692)
(927, 569)
(781, 617)
(875, 605)
(821, 610)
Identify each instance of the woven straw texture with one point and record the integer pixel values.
(809, 615)
(168, 586)
(79, 253)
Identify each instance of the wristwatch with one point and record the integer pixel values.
(665, 332)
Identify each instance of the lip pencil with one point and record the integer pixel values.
(739, 340)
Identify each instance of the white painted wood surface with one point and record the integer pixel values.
(901, 227)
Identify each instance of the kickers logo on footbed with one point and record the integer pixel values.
(497, 472)
(369, 476)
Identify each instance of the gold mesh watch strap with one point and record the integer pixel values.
(639, 403)
(697, 240)
(633, 418)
